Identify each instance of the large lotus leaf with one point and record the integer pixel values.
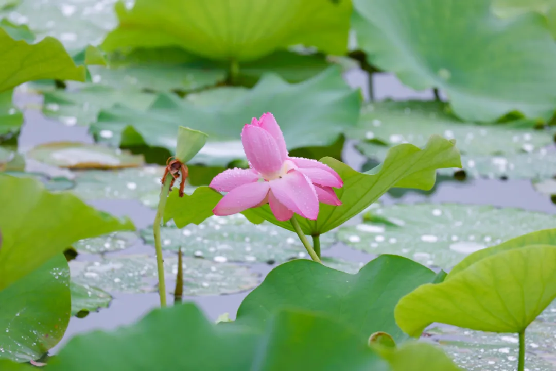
(21, 62)
(490, 351)
(312, 113)
(82, 107)
(75, 23)
(507, 150)
(395, 122)
(405, 166)
(503, 292)
(165, 69)
(86, 298)
(29, 211)
(77, 155)
(157, 342)
(114, 241)
(34, 311)
(127, 183)
(11, 118)
(138, 274)
(486, 65)
(440, 235)
(224, 31)
(364, 301)
(233, 238)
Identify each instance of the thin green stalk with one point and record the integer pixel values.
(521, 355)
(157, 238)
(316, 241)
(304, 241)
(437, 94)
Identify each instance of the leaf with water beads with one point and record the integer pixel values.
(114, 241)
(35, 311)
(128, 183)
(439, 235)
(138, 274)
(86, 299)
(487, 351)
(234, 238)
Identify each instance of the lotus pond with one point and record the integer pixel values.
(277, 185)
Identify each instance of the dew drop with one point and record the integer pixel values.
(429, 238)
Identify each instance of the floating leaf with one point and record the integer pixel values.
(232, 32)
(136, 274)
(11, 118)
(233, 238)
(130, 183)
(115, 241)
(462, 48)
(364, 301)
(78, 155)
(497, 293)
(28, 212)
(51, 183)
(486, 351)
(395, 122)
(82, 107)
(494, 151)
(86, 299)
(312, 113)
(440, 235)
(75, 23)
(405, 166)
(157, 342)
(23, 62)
(34, 310)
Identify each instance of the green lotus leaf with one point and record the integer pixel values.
(312, 113)
(82, 107)
(194, 208)
(497, 293)
(11, 118)
(23, 62)
(17, 32)
(487, 66)
(86, 299)
(29, 211)
(514, 8)
(364, 301)
(225, 32)
(157, 342)
(35, 310)
(440, 234)
(77, 155)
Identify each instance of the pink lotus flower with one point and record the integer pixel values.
(289, 185)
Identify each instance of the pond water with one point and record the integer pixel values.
(472, 350)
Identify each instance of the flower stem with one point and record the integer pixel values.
(316, 241)
(157, 238)
(304, 241)
(521, 355)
